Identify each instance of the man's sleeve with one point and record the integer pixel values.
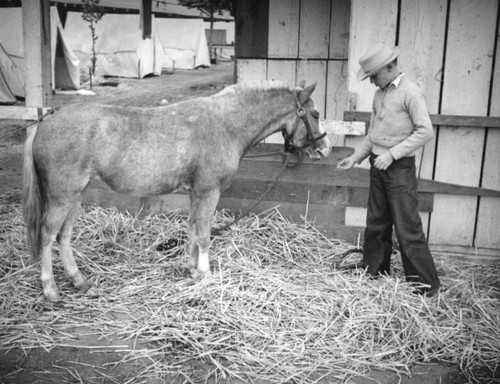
(422, 133)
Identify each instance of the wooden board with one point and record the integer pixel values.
(450, 120)
(341, 127)
(339, 29)
(336, 96)
(252, 21)
(37, 52)
(323, 172)
(250, 69)
(314, 71)
(285, 71)
(468, 64)
(488, 221)
(329, 220)
(371, 22)
(247, 187)
(283, 28)
(314, 34)
(336, 87)
(421, 40)
(356, 216)
(282, 70)
(22, 113)
(336, 92)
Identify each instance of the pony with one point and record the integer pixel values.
(194, 145)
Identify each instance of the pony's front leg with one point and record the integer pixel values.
(204, 208)
(193, 248)
(193, 244)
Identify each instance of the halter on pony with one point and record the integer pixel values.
(311, 140)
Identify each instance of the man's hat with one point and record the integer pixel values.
(376, 58)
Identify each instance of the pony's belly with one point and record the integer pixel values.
(138, 187)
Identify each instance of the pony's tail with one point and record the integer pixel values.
(33, 206)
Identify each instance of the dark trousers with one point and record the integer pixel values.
(392, 202)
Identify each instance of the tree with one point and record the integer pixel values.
(210, 8)
(92, 13)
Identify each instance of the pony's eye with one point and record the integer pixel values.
(315, 114)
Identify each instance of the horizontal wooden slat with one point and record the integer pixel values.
(449, 120)
(339, 127)
(273, 152)
(22, 113)
(323, 172)
(329, 219)
(301, 193)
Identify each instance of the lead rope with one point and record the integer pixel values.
(286, 156)
(26, 126)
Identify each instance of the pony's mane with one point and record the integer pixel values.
(256, 86)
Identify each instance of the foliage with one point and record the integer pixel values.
(210, 6)
(92, 13)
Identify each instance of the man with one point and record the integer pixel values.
(400, 124)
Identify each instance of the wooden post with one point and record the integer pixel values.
(37, 52)
(147, 15)
(252, 29)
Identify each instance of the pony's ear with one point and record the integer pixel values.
(301, 84)
(307, 92)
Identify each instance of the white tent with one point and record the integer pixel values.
(11, 79)
(120, 49)
(184, 43)
(65, 71)
(223, 48)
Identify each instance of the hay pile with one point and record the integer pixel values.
(273, 308)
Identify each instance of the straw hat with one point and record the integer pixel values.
(376, 58)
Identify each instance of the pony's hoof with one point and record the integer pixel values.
(50, 291)
(92, 292)
(84, 286)
(195, 274)
(51, 295)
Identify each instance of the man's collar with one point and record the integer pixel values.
(396, 81)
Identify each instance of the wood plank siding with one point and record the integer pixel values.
(450, 48)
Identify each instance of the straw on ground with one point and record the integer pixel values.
(273, 308)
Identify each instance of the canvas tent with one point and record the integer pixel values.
(120, 49)
(65, 70)
(11, 79)
(184, 43)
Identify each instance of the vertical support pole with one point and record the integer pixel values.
(37, 52)
(147, 16)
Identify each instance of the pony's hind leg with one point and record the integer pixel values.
(67, 257)
(51, 224)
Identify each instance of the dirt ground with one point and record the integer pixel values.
(75, 363)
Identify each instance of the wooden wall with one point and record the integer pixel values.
(305, 40)
(450, 48)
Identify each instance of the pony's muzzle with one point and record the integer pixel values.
(324, 151)
(318, 153)
(322, 148)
